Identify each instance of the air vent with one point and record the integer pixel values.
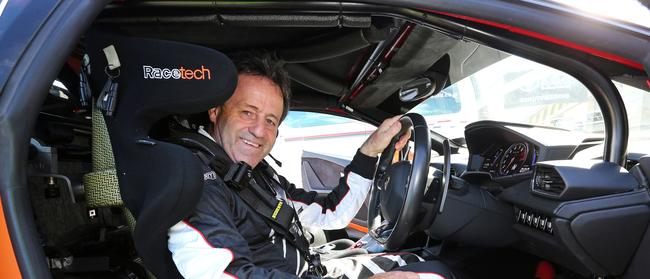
(548, 181)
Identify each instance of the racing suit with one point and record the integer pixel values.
(226, 238)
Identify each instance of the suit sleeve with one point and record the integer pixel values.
(208, 244)
(336, 210)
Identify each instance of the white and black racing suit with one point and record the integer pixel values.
(226, 238)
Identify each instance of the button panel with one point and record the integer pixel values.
(534, 220)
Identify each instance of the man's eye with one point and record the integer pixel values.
(271, 122)
(247, 114)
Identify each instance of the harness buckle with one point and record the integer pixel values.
(236, 173)
(315, 266)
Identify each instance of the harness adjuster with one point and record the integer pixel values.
(236, 174)
(315, 266)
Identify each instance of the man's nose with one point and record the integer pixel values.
(257, 129)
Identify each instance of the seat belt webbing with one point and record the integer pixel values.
(239, 177)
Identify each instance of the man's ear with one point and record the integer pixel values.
(213, 114)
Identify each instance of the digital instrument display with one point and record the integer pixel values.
(509, 159)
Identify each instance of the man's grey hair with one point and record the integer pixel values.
(266, 64)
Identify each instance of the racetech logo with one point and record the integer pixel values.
(180, 73)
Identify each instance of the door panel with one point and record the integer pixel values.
(321, 173)
(304, 139)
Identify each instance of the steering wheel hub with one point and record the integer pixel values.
(394, 191)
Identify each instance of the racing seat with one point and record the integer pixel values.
(159, 182)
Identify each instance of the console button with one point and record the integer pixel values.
(542, 223)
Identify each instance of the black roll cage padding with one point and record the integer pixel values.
(239, 19)
(310, 78)
(326, 48)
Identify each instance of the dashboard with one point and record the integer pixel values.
(504, 151)
(509, 158)
(523, 186)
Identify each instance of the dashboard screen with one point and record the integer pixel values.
(501, 160)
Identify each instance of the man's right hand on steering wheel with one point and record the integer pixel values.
(380, 138)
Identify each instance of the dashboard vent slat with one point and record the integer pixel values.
(548, 181)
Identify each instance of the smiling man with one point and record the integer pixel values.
(247, 124)
(227, 237)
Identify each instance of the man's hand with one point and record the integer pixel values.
(381, 137)
(396, 274)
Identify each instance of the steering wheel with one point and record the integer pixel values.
(398, 188)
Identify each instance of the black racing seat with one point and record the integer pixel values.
(159, 182)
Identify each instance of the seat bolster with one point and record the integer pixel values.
(167, 196)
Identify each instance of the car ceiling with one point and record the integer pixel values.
(326, 52)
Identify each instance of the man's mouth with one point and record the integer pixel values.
(251, 143)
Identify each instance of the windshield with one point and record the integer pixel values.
(632, 11)
(637, 105)
(521, 91)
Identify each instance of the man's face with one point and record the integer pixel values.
(247, 124)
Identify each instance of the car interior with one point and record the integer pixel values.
(503, 200)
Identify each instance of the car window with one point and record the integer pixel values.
(632, 11)
(303, 119)
(514, 90)
(320, 133)
(637, 106)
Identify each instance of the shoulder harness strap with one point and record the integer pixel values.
(239, 176)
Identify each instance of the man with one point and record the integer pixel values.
(225, 237)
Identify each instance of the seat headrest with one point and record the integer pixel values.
(159, 78)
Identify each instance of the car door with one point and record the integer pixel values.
(314, 149)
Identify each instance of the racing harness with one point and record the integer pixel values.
(246, 183)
